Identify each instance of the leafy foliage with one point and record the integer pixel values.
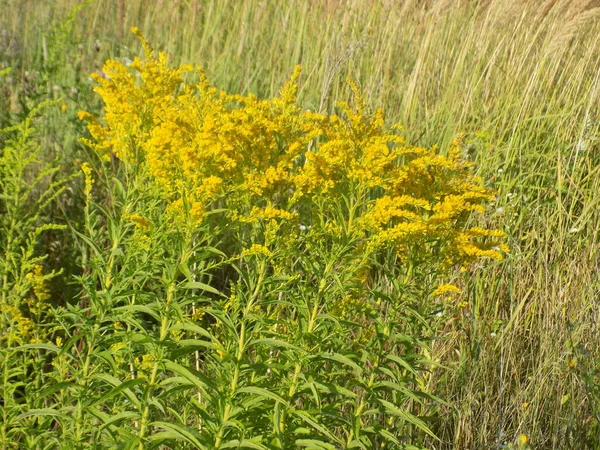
(252, 275)
(28, 186)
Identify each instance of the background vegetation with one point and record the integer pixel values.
(521, 78)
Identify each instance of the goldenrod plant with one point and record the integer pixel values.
(28, 187)
(358, 258)
(256, 277)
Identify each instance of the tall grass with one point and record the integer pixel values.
(522, 77)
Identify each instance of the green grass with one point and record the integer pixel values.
(524, 76)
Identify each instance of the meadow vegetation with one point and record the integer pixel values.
(310, 224)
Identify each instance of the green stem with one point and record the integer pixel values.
(5, 397)
(240, 354)
(359, 410)
(84, 380)
(234, 385)
(146, 411)
(164, 330)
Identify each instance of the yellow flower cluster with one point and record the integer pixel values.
(21, 327)
(139, 221)
(446, 289)
(144, 365)
(257, 249)
(24, 319)
(38, 303)
(88, 179)
(203, 147)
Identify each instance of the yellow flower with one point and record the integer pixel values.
(89, 179)
(145, 362)
(206, 150)
(139, 221)
(40, 289)
(445, 289)
(116, 347)
(270, 213)
(257, 249)
(198, 314)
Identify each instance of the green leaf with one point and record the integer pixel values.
(201, 286)
(116, 383)
(54, 388)
(124, 386)
(400, 361)
(97, 250)
(261, 392)
(41, 412)
(196, 343)
(356, 444)
(193, 328)
(128, 309)
(198, 379)
(306, 417)
(110, 420)
(314, 444)
(277, 343)
(49, 347)
(334, 389)
(176, 432)
(389, 436)
(244, 443)
(343, 360)
(398, 388)
(392, 409)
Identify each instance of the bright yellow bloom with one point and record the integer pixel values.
(267, 160)
(446, 289)
(89, 178)
(138, 220)
(270, 213)
(257, 249)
